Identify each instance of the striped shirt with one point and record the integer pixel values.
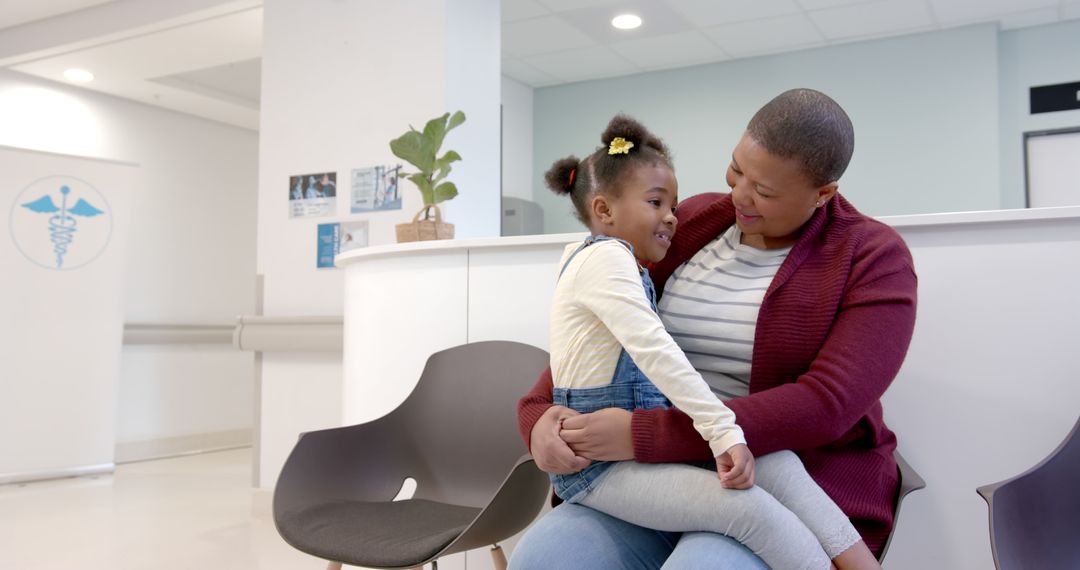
(600, 308)
(710, 307)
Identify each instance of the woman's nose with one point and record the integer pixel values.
(739, 195)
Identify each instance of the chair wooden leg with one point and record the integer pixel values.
(498, 557)
(333, 566)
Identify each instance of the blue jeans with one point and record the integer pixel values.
(629, 390)
(573, 537)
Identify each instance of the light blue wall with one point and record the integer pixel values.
(925, 109)
(1031, 57)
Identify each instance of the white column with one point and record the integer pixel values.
(473, 72)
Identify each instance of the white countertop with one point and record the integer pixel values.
(544, 240)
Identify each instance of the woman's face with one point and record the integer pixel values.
(773, 197)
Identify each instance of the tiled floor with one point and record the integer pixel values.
(189, 513)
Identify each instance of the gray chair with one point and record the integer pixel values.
(455, 435)
(1035, 516)
(909, 481)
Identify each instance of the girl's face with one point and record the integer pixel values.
(644, 213)
(773, 197)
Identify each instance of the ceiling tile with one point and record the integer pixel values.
(657, 19)
(759, 36)
(880, 18)
(513, 10)
(823, 4)
(525, 73)
(541, 35)
(204, 44)
(671, 50)
(1029, 18)
(237, 82)
(953, 12)
(583, 63)
(706, 13)
(564, 5)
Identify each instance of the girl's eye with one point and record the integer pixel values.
(655, 203)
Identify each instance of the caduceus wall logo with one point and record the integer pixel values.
(61, 222)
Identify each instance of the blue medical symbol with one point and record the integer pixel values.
(62, 224)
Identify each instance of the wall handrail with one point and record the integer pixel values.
(289, 334)
(178, 333)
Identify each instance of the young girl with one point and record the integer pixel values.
(609, 349)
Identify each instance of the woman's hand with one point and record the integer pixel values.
(736, 467)
(551, 453)
(602, 435)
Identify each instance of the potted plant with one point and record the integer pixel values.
(421, 149)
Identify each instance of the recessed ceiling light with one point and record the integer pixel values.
(80, 75)
(626, 21)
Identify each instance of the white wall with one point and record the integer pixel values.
(191, 257)
(1031, 57)
(907, 99)
(334, 105)
(517, 139)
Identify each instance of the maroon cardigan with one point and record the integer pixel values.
(832, 332)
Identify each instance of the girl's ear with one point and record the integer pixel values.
(601, 211)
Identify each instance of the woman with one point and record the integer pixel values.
(806, 372)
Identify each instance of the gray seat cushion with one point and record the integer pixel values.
(388, 535)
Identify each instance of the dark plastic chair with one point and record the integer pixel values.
(1035, 516)
(909, 481)
(456, 435)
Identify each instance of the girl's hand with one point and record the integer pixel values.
(603, 435)
(736, 467)
(551, 453)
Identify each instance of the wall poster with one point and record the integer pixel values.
(375, 188)
(338, 237)
(312, 195)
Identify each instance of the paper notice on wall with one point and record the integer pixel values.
(312, 195)
(375, 189)
(335, 238)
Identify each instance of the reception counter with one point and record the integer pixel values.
(990, 386)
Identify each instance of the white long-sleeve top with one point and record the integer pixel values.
(599, 308)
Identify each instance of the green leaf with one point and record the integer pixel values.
(422, 182)
(445, 191)
(414, 148)
(450, 156)
(435, 131)
(442, 165)
(455, 120)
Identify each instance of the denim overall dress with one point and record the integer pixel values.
(629, 389)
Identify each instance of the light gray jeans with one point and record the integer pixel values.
(785, 519)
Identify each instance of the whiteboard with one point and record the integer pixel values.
(1052, 162)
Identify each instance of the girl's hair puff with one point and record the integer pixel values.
(601, 172)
